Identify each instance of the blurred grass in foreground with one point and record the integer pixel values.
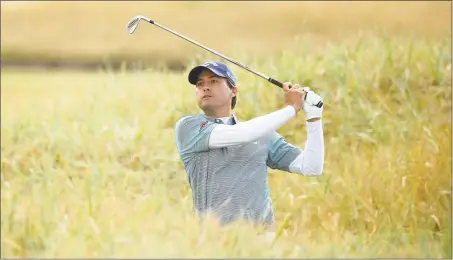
(90, 169)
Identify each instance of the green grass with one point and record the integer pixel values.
(89, 166)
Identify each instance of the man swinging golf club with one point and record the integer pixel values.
(226, 160)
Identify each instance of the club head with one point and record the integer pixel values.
(133, 23)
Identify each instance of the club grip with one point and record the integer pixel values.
(275, 82)
(278, 83)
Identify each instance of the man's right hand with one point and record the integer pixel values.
(294, 96)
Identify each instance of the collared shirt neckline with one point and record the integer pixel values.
(219, 121)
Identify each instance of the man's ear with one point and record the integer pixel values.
(234, 90)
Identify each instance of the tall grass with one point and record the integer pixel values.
(90, 169)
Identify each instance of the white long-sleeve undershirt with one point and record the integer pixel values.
(249, 131)
(309, 162)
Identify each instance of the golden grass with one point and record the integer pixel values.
(96, 31)
(90, 168)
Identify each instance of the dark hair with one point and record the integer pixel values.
(233, 101)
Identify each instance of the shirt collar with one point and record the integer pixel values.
(232, 121)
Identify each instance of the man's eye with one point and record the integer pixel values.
(214, 81)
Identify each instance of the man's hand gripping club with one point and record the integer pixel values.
(303, 99)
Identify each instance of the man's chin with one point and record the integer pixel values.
(205, 106)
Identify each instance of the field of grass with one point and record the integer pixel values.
(96, 31)
(89, 166)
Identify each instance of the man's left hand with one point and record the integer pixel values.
(312, 112)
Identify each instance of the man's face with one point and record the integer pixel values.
(213, 91)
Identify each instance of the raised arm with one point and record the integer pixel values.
(244, 132)
(228, 135)
(310, 160)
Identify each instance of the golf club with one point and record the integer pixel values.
(133, 24)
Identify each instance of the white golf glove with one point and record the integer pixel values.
(311, 100)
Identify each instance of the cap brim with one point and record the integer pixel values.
(195, 72)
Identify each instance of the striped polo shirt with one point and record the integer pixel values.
(231, 182)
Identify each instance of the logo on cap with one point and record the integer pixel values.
(210, 63)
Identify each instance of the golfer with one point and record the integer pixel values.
(227, 160)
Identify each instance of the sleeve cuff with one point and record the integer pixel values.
(290, 110)
(314, 125)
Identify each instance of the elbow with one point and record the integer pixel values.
(314, 171)
(318, 172)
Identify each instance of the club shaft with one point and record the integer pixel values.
(273, 81)
(132, 25)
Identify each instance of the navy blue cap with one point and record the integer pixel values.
(218, 68)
